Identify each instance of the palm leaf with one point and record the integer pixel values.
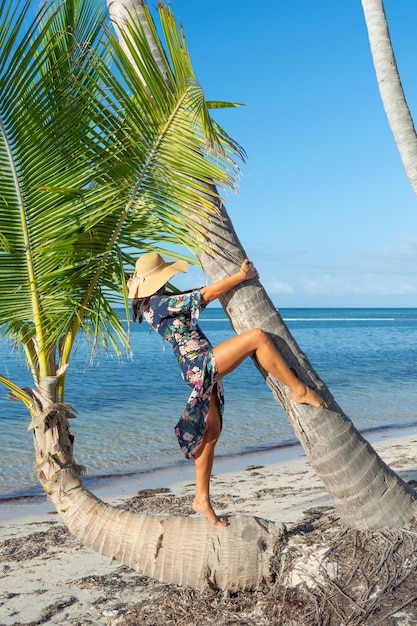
(96, 165)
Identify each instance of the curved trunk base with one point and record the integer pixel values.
(185, 551)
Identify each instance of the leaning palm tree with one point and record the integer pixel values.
(390, 87)
(94, 165)
(365, 491)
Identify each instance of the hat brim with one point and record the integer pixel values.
(148, 286)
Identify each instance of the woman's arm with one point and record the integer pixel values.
(217, 289)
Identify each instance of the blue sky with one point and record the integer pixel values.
(324, 207)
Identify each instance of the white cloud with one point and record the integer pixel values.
(365, 284)
(278, 287)
(385, 272)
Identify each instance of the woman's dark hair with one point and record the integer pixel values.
(139, 305)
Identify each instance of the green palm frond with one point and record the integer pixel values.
(102, 156)
(37, 145)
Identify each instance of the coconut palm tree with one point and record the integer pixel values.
(390, 87)
(366, 493)
(94, 164)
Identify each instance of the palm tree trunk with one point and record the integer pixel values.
(390, 88)
(366, 493)
(182, 551)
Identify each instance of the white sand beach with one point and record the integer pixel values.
(47, 577)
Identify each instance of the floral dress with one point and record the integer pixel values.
(175, 318)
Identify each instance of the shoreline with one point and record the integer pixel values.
(110, 485)
(115, 488)
(118, 487)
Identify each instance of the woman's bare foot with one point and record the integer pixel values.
(205, 508)
(307, 396)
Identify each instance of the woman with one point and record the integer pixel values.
(175, 318)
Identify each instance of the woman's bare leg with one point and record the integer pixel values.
(204, 464)
(232, 352)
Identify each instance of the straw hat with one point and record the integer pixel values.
(151, 272)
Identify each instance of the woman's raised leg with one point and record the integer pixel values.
(232, 352)
(204, 464)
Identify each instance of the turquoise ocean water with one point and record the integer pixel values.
(127, 408)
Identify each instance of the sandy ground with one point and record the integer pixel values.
(46, 577)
